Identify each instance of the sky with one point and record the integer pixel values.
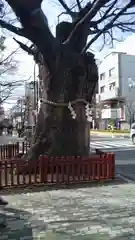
(128, 45)
(25, 62)
(24, 71)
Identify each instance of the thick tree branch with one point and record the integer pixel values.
(12, 28)
(25, 47)
(31, 51)
(36, 28)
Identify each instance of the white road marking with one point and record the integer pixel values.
(110, 144)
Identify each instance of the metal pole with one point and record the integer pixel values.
(35, 104)
(34, 86)
(131, 84)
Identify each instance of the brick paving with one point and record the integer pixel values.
(92, 213)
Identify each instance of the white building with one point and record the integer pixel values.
(116, 89)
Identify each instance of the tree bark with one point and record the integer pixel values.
(57, 133)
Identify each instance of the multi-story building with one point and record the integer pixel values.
(116, 89)
(31, 99)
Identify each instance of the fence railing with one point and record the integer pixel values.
(9, 151)
(57, 170)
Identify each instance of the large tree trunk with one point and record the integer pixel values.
(71, 73)
(57, 133)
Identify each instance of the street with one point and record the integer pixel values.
(9, 139)
(124, 152)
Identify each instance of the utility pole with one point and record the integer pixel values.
(35, 93)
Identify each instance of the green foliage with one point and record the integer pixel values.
(111, 122)
(110, 131)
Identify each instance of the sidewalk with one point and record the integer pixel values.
(105, 134)
(92, 213)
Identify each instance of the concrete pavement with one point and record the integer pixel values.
(95, 213)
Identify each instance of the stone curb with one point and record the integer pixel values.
(127, 178)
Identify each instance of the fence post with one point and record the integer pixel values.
(113, 166)
(1, 163)
(1, 152)
(41, 168)
(17, 148)
(10, 150)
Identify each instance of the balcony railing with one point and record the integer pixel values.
(110, 113)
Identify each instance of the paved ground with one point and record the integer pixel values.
(93, 213)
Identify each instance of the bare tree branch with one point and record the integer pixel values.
(72, 7)
(88, 16)
(8, 87)
(35, 24)
(10, 55)
(79, 4)
(65, 6)
(107, 26)
(106, 13)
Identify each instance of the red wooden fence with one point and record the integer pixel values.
(12, 150)
(8, 151)
(57, 170)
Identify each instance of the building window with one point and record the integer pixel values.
(102, 89)
(112, 86)
(111, 72)
(102, 76)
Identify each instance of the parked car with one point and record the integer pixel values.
(132, 133)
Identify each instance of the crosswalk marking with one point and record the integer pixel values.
(109, 144)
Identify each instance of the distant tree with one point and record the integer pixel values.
(17, 115)
(130, 111)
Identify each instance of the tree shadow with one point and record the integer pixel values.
(17, 225)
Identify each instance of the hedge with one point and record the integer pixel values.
(110, 131)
